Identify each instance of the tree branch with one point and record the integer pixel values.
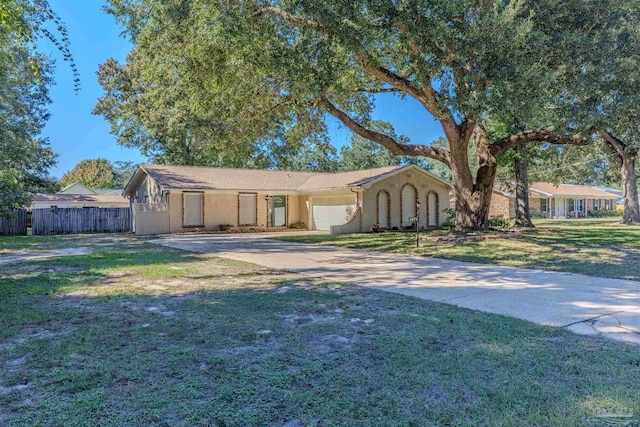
(426, 95)
(382, 90)
(620, 147)
(540, 135)
(386, 141)
(296, 20)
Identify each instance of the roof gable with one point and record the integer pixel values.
(76, 188)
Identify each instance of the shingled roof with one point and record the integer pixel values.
(548, 189)
(206, 178)
(80, 198)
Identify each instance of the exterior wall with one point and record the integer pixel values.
(218, 209)
(148, 191)
(393, 185)
(502, 205)
(352, 226)
(223, 209)
(534, 205)
(293, 209)
(303, 210)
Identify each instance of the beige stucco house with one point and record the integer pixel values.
(171, 199)
(78, 195)
(553, 200)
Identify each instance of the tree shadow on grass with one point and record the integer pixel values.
(205, 358)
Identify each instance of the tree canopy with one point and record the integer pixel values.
(25, 157)
(94, 173)
(493, 74)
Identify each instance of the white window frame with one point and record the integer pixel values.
(185, 196)
(546, 205)
(248, 215)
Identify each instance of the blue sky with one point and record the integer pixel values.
(75, 134)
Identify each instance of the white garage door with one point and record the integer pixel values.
(328, 211)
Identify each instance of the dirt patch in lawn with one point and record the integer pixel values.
(171, 338)
(27, 256)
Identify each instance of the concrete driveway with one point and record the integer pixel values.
(583, 304)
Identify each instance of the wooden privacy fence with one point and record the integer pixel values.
(80, 220)
(16, 226)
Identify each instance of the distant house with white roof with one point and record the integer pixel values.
(554, 200)
(78, 195)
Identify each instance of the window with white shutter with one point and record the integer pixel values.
(248, 203)
(192, 207)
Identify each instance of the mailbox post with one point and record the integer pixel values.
(417, 220)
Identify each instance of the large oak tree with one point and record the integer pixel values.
(462, 61)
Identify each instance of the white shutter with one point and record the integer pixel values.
(193, 209)
(248, 209)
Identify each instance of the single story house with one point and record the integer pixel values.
(553, 200)
(171, 199)
(78, 195)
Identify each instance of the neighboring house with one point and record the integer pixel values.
(170, 199)
(618, 193)
(78, 195)
(553, 200)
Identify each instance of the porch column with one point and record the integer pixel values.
(585, 207)
(549, 208)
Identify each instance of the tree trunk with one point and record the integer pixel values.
(626, 156)
(473, 197)
(523, 214)
(631, 214)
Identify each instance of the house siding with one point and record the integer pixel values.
(393, 185)
(502, 205)
(303, 210)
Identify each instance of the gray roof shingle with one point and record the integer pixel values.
(207, 178)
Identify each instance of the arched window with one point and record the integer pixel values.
(433, 209)
(384, 209)
(408, 197)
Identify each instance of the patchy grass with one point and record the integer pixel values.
(135, 334)
(30, 243)
(599, 247)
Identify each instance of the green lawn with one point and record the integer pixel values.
(599, 247)
(135, 334)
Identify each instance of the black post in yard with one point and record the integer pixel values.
(418, 224)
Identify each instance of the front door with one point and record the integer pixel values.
(560, 208)
(279, 211)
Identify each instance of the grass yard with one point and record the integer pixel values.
(598, 247)
(136, 334)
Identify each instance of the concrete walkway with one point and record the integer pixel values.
(583, 304)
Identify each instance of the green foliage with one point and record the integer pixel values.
(123, 171)
(603, 213)
(94, 173)
(360, 153)
(25, 22)
(208, 80)
(539, 215)
(499, 221)
(298, 225)
(450, 221)
(25, 157)
(314, 157)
